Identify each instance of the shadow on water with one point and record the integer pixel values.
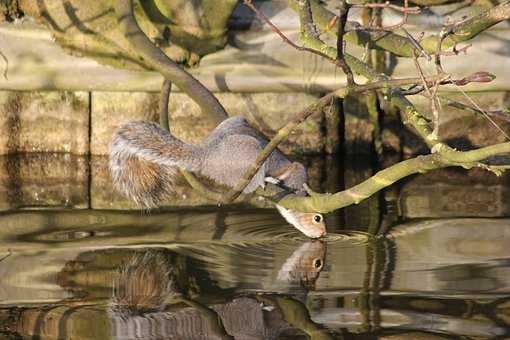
(243, 274)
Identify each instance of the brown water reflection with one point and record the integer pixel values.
(209, 274)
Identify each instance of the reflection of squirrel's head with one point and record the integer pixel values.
(143, 284)
(305, 264)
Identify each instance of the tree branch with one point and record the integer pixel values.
(442, 158)
(164, 98)
(154, 58)
(314, 45)
(413, 117)
(400, 45)
(343, 13)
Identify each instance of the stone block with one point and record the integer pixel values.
(455, 193)
(44, 122)
(43, 180)
(109, 110)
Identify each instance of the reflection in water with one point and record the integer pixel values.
(143, 283)
(241, 275)
(305, 264)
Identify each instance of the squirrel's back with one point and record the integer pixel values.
(144, 159)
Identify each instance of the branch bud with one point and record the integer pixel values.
(478, 77)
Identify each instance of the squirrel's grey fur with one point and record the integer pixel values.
(144, 158)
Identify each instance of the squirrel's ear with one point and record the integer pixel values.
(287, 171)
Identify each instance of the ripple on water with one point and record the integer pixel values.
(353, 237)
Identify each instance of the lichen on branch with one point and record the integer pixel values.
(400, 45)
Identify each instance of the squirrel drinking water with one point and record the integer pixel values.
(144, 159)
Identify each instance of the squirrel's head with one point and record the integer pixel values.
(310, 224)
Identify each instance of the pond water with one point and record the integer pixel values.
(245, 274)
(435, 266)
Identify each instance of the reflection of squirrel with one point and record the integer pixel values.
(144, 158)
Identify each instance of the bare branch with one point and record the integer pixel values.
(429, 3)
(405, 9)
(300, 117)
(401, 46)
(9, 253)
(6, 69)
(343, 13)
(275, 29)
(164, 97)
(154, 57)
(417, 45)
(484, 113)
(500, 114)
(328, 202)
(317, 47)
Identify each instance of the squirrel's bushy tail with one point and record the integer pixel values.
(143, 162)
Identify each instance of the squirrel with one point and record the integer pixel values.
(144, 159)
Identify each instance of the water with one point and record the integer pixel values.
(71, 267)
(244, 274)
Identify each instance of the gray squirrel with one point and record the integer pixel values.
(144, 159)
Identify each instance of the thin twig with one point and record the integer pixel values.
(434, 100)
(164, 98)
(343, 13)
(404, 18)
(485, 114)
(299, 118)
(6, 256)
(405, 9)
(501, 114)
(6, 69)
(417, 45)
(432, 95)
(276, 30)
(437, 57)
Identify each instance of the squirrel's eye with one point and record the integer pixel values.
(317, 263)
(317, 218)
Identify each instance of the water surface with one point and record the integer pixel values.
(245, 274)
